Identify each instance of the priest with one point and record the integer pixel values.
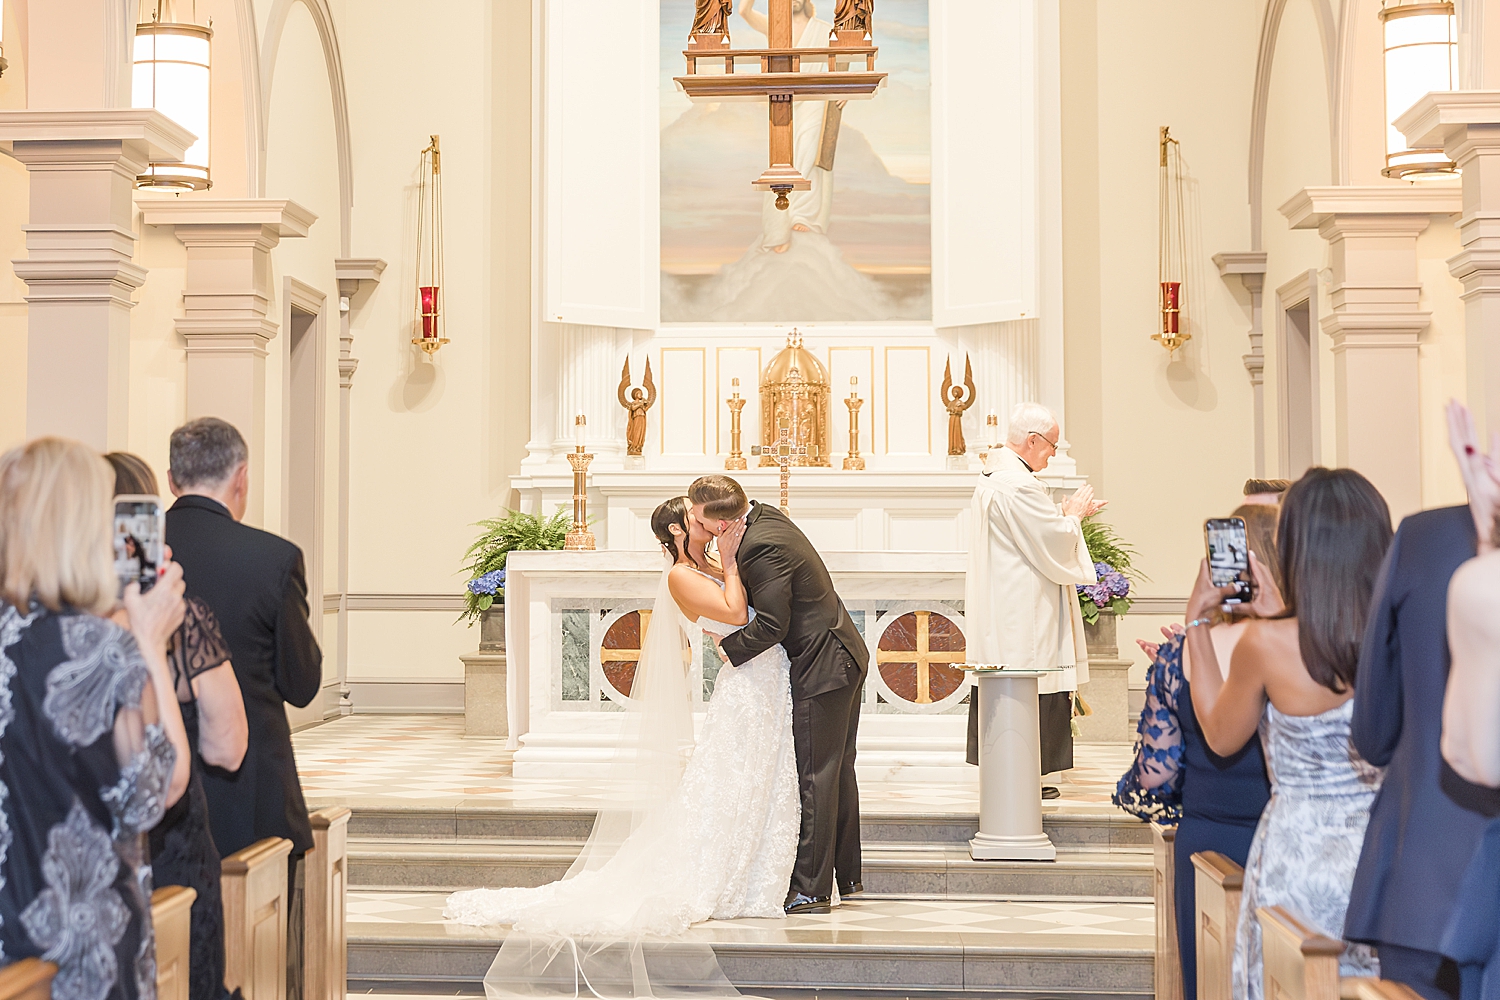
(1026, 559)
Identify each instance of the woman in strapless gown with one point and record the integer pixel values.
(1292, 679)
(718, 837)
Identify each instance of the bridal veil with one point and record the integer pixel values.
(594, 933)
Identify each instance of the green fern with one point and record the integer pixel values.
(1106, 546)
(513, 531)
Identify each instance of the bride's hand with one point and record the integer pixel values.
(729, 544)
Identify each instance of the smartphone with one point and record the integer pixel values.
(140, 539)
(1229, 557)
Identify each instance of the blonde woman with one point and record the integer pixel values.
(92, 747)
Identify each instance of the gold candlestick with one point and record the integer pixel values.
(736, 459)
(853, 459)
(991, 437)
(580, 538)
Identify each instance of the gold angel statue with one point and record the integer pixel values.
(957, 401)
(636, 405)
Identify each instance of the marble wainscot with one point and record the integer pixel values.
(573, 628)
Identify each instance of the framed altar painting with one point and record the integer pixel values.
(857, 246)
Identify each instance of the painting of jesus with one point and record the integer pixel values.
(856, 246)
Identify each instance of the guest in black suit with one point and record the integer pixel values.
(254, 583)
(1422, 829)
(796, 606)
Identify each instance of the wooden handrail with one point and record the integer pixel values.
(1164, 886)
(1217, 884)
(1223, 871)
(171, 920)
(1298, 961)
(28, 979)
(255, 919)
(1367, 988)
(325, 877)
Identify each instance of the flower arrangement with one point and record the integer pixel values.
(1112, 564)
(501, 536)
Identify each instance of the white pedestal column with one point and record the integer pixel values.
(1375, 323)
(1466, 125)
(79, 270)
(1010, 765)
(227, 320)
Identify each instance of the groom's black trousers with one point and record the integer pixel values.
(824, 728)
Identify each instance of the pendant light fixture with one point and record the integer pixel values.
(171, 74)
(429, 319)
(1421, 55)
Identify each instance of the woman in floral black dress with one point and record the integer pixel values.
(182, 844)
(92, 748)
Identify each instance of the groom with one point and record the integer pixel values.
(795, 605)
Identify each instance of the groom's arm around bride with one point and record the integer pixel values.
(796, 606)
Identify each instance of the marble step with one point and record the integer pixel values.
(1101, 829)
(1021, 948)
(901, 869)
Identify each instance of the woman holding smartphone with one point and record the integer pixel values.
(1219, 799)
(1292, 678)
(213, 715)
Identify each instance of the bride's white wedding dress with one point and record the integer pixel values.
(721, 845)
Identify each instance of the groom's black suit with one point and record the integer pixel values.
(796, 606)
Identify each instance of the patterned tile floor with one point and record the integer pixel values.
(1065, 922)
(424, 760)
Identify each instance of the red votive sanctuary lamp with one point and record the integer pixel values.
(429, 319)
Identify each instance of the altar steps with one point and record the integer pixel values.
(889, 869)
(1019, 949)
(932, 923)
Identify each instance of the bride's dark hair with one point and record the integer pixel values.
(674, 511)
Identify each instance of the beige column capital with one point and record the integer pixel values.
(1376, 322)
(227, 320)
(79, 269)
(1466, 125)
(1249, 266)
(352, 273)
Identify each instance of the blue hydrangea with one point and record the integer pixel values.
(1118, 585)
(490, 583)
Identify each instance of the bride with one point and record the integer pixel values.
(706, 832)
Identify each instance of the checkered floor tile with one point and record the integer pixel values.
(415, 760)
(1058, 919)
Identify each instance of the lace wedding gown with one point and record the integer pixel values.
(721, 845)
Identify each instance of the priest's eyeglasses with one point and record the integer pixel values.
(1052, 445)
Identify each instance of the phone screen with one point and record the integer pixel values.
(140, 539)
(1229, 556)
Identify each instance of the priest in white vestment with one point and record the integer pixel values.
(1026, 559)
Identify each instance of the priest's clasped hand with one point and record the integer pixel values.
(1082, 504)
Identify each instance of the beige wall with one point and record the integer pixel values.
(15, 194)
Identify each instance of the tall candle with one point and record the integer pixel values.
(580, 429)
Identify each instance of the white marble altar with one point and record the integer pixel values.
(565, 714)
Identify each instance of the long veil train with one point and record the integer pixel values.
(596, 932)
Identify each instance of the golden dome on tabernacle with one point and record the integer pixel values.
(794, 355)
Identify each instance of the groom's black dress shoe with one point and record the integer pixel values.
(853, 889)
(799, 903)
(1051, 792)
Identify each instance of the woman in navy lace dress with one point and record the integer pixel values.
(1214, 801)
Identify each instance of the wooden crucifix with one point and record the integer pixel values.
(786, 450)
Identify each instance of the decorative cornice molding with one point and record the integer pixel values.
(1240, 262)
(357, 269)
(1311, 207)
(226, 216)
(1443, 115)
(164, 139)
(453, 603)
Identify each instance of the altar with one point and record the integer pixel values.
(574, 622)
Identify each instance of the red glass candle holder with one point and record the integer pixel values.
(429, 295)
(1171, 297)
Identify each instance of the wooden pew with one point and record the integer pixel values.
(325, 968)
(28, 979)
(1168, 963)
(1376, 989)
(171, 919)
(1217, 884)
(1298, 961)
(255, 912)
